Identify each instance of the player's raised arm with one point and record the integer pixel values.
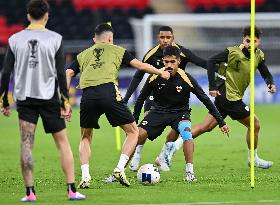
(149, 69)
(200, 94)
(194, 58)
(211, 69)
(137, 77)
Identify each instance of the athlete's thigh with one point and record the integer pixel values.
(27, 112)
(118, 113)
(177, 118)
(154, 123)
(246, 121)
(50, 114)
(238, 110)
(90, 112)
(149, 103)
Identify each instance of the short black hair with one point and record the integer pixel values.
(165, 28)
(37, 8)
(103, 27)
(171, 51)
(247, 31)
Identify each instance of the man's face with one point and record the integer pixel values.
(247, 40)
(165, 38)
(171, 64)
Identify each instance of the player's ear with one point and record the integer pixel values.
(158, 37)
(46, 17)
(28, 17)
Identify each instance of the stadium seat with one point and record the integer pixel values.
(76, 19)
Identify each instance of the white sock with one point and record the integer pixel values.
(139, 149)
(255, 154)
(189, 167)
(85, 171)
(163, 150)
(179, 143)
(123, 161)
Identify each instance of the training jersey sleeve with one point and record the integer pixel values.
(137, 77)
(74, 66)
(61, 77)
(145, 92)
(266, 75)
(127, 58)
(200, 94)
(212, 68)
(8, 67)
(194, 58)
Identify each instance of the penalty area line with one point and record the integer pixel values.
(220, 202)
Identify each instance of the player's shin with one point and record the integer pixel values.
(185, 132)
(179, 143)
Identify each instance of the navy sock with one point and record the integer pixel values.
(30, 189)
(71, 186)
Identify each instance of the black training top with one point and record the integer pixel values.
(154, 57)
(173, 95)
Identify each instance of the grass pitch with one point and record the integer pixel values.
(220, 165)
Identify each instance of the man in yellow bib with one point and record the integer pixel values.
(99, 66)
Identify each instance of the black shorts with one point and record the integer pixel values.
(235, 109)
(49, 110)
(149, 103)
(100, 100)
(155, 122)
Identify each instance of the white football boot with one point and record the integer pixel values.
(85, 183)
(190, 177)
(261, 163)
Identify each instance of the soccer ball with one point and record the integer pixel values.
(148, 174)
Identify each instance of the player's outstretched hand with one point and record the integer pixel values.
(225, 130)
(66, 113)
(271, 88)
(214, 93)
(6, 111)
(165, 74)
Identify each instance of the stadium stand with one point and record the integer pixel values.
(75, 19)
(217, 6)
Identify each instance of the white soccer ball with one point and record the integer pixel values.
(148, 174)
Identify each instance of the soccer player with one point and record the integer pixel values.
(172, 106)
(99, 66)
(154, 57)
(229, 93)
(35, 55)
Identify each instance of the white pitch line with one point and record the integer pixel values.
(220, 202)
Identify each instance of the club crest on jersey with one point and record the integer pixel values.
(144, 122)
(179, 88)
(97, 52)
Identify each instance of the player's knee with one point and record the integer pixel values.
(86, 135)
(257, 125)
(172, 136)
(185, 130)
(132, 130)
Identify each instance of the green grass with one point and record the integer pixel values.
(220, 166)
